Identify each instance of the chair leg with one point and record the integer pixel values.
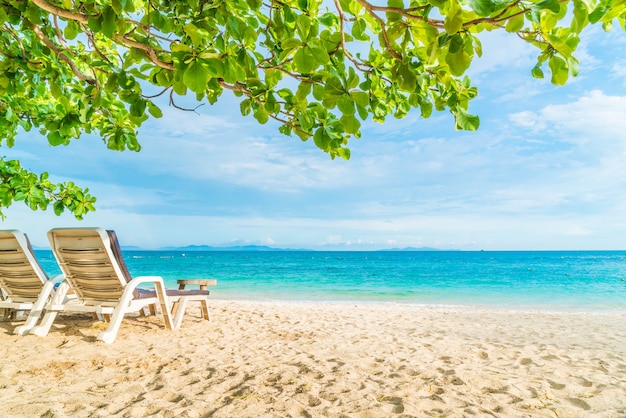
(149, 310)
(7, 314)
(110, 334)
(37, 309)
(180, 312)
(59, 297)
(204, 305)
(44, 327)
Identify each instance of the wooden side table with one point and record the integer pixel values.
(202, 283)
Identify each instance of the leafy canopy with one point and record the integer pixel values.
(69, 67)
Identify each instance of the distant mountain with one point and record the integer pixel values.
(190, 248)
(264, 248)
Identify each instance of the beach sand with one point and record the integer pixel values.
(288, 359)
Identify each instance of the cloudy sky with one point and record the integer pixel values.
(545, 171)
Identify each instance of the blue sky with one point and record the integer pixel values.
(546, 171)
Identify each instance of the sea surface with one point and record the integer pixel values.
(537, 280)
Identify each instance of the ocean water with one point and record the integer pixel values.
(539, 280)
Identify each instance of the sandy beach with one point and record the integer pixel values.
(287, 359)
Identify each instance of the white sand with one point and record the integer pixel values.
(265, 359)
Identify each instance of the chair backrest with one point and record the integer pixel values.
(91, 267)
(21, 275)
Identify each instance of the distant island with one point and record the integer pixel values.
(264, 248)
(190, 248)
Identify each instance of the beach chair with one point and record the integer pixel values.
(92, 262)
(24, 286)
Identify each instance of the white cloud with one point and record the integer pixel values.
(528, 119)
(592, 116)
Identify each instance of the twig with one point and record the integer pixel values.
(61, 54)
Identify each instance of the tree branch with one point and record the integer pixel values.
(370, 10)
(61, 54)
(173, 103)
(43, 4)
(356, 63)
(238, 87)
(148, 50)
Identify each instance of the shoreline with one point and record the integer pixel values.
(511, 308)
(323, 359)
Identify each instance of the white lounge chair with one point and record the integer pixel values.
(94, 268)
(24, 285)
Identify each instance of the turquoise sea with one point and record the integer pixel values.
(543, 280)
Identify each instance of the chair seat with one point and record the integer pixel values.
(148, 293)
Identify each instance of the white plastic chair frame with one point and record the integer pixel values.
(127, 302)
(19, 267)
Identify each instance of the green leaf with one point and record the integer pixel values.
(95, 23)
(559, 70)
(581, 17)
(454, 19)
(33, 13)
(392, 16)
(329, 19)
(426, 108)
(350, 124)
(456, 43)
(291, 44)
(573, 66)
(359, 30)
(154, 110)
(233, 71)
(303, 91)
(270, 103)
(59, 207)
(138, 108)
(465, 121)
(344, 153)
(360, 98)
(320, 56)
(195, 77)
(260, 115)
(245, 107)
(303, 27)
(537, 72)
(109, 21)
(55, 139)
(71, 30)
(485, 8)
(598, 13)
(458, 62)
(346, 105)
(304, 60)
(198, 35)
(306, 121)
(321, 138)
(516, 24)
(406, 78)
(213, 66)
(552, 5)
